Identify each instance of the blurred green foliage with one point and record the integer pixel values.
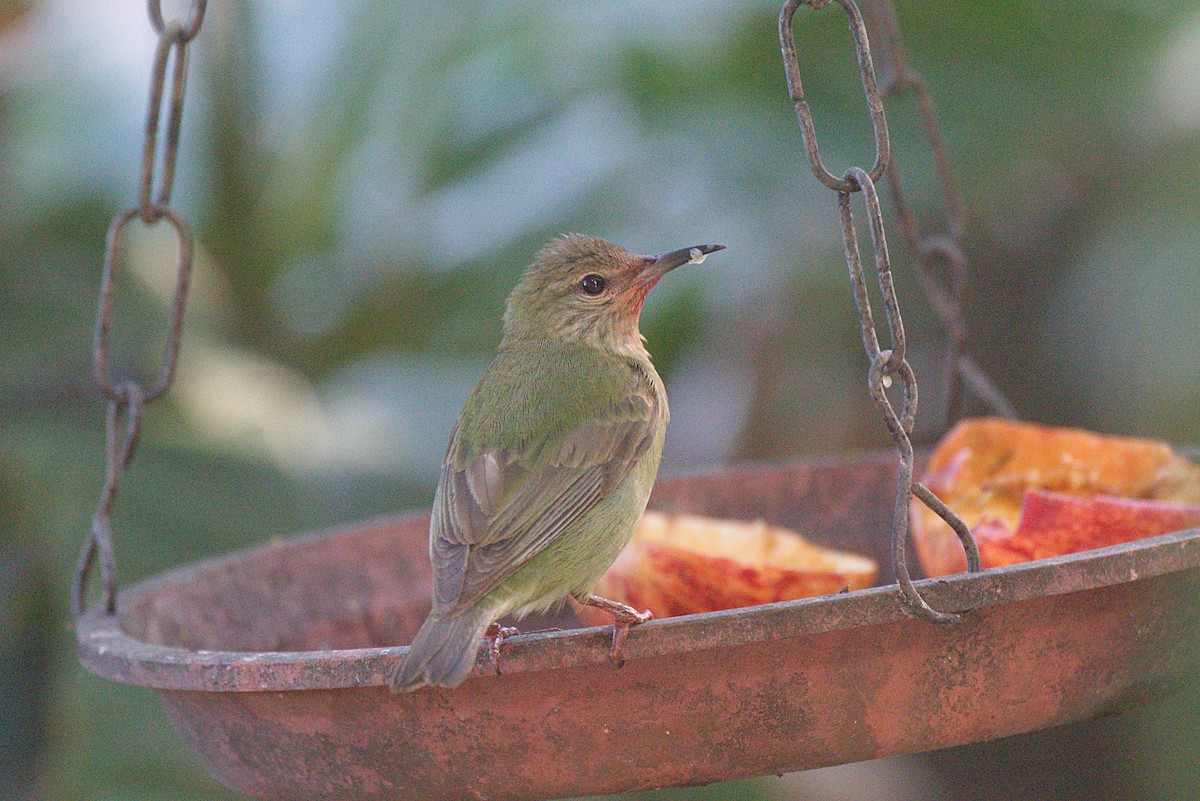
(367, 179)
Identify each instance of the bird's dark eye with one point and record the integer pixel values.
(592, 284)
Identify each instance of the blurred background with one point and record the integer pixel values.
(367, 179)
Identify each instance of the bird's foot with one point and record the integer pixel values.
(624, 617)
(493, 636)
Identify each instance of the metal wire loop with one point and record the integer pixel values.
(122, 429)
(150, 205)
(898, 84)
(879, 380)
(791, 66)
(926, 496)
(946, 299)
(108, 291)
(859, 178)
(189, 29)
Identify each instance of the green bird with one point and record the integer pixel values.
(552, 459)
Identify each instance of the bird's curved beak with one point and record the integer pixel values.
(662, 264)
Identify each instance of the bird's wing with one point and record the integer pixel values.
(505, 504)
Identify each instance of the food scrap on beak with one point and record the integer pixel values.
(666, 262)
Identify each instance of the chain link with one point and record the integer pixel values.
(791, 67)
(171, 40)
(126, 398)
(885, 364)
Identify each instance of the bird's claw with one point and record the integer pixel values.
(624, 618)
(493, 636)
(621, 628)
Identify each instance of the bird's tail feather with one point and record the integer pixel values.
(443, 652)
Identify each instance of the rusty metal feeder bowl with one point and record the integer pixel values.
(273, 662)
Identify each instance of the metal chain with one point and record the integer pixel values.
(947, 298)
(126, 398)
(890, 363)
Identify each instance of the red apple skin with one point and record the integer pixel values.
(983, 468)
(1053, 524)
(671, 580)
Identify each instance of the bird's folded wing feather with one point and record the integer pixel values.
(506, 504)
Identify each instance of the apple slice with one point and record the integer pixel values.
(1054, 523)
(685, 564)
(983, 469)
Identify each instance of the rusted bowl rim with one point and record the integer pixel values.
(106, 650)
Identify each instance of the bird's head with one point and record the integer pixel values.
(580, 288)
